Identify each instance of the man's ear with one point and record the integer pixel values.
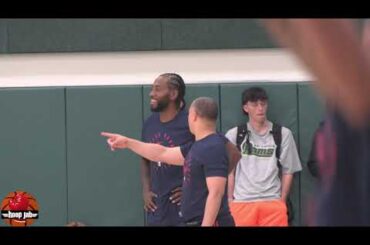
(245, 108)
(173, 94)
(194, 117)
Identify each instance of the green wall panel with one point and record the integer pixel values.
(32, 149)
(103, 187)
(72, 35)
(3, 36)
(214, 34)
(84, 35)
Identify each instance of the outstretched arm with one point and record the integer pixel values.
(153, 152)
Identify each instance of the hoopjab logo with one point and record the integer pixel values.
(19, 208)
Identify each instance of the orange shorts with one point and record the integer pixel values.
(261, 213)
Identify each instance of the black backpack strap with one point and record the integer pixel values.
(240, 135)
(276, 133)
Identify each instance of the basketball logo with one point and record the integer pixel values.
(19, 208)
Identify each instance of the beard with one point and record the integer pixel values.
(161, 105)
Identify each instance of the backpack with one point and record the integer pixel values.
(277, 135)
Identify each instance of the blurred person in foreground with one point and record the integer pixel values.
(338, 57)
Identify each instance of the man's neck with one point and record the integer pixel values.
(259, 126)
(203, 134)
(168, 114)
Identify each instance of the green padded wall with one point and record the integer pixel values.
(103, 187)
(71, 35)
(81, 35)
(3, 36)
(282, 109)
(311, 110)
(51, 147)
(32, 149)
(193, 91)
(214, 34)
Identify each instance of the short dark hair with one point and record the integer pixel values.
(253, 94)
(175, 81)
(206, 107)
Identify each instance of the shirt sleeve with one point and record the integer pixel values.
(231, 135)
(216, 161)
(289, 157)
(223, 137)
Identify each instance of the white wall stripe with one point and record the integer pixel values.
(129, 68)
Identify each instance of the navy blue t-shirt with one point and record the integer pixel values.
(165, 177)
(203, 158)
(343, 155)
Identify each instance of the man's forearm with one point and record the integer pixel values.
(286, 183)
(145, 174)
(234, 156)
(212, 208)
(149, 151)
(231, 185)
